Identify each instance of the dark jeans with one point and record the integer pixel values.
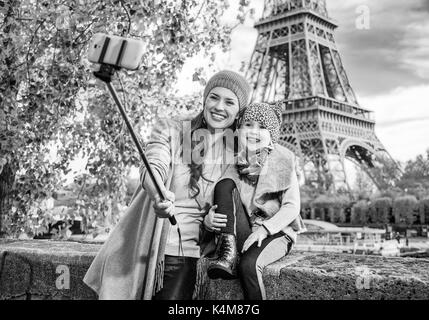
(180, 274)
(254, 260)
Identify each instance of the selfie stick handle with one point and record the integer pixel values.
(107, 80)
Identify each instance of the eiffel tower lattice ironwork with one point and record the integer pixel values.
(296, 62)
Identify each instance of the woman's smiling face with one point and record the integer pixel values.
(221, 108)
(253, 136)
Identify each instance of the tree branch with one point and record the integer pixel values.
(199, 11)
(244, 15)
(82, 32)
(128, 15)
(29, 48)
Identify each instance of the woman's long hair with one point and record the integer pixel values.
(196, 169)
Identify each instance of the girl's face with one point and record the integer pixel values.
(221, 108)
(253, 136)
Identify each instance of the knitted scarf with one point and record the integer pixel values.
(249, 168)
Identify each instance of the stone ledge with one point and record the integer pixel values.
(28, 270)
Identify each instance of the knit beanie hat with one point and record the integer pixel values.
(232, 81)
(269, 116)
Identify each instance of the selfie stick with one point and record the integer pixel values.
(105, 74)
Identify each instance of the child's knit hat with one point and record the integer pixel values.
(269, 116)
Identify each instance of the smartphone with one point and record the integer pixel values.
(131, 56)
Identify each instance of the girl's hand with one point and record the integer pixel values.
(164, 208)
(258, 236)
(215, 221)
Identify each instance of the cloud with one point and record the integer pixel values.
(415, 49)
(402, 120)
(393, 52)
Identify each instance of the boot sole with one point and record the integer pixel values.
(217, 272)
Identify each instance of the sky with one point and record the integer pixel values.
(387, 63)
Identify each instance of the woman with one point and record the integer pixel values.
(145, 255)
(260, 201)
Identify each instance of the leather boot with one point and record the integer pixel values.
(225, 266)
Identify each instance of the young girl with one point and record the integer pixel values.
(257, 204)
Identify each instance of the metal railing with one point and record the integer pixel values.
(318, 101)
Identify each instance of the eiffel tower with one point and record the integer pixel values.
(296, 63)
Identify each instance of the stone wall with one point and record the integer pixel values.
(34, 269)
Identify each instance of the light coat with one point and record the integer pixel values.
(276, 193)
(129, 264)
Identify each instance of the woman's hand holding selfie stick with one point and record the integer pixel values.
(164, 208)
(105, 73)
